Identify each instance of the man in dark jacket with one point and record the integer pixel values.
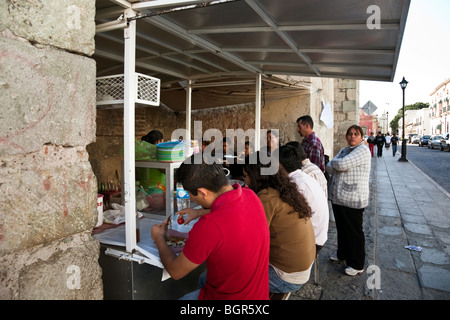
(380, 140)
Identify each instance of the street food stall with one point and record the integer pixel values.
(189, 55)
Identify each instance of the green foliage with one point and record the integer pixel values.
(416, 106)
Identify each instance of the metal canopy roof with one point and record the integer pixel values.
(222, 45)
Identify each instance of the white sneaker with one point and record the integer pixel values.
(352, 272)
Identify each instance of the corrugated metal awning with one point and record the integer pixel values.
(223, 41)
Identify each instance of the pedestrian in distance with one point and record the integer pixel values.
(371, 143)
(394, 141)
(311, 143)
(380, 141)
(349, 194)
(292, 241)
(387, 137)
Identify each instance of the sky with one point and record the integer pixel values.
(424, 59)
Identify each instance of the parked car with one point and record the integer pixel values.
(424, 140)
(445, 142)
(415, 139)
(411, 136)
(435, 141)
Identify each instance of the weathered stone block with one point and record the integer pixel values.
(48, 96)
(67, 24)
(347, 83)
(47, 195)
(62, 270)
(351, 94)
(349, 106)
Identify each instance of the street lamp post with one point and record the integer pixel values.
(387, 120)
(403, 85)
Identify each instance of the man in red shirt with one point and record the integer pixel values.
(232, 237)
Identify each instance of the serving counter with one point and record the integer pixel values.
(140, 274)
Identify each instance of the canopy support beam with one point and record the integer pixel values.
(258, 112)
(129, 131)
(188, 111)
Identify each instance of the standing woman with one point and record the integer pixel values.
(292, 240)
(349, 195)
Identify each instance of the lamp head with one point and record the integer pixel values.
(403, 83)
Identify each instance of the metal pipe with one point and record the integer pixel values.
(108, 26)
(130, 84)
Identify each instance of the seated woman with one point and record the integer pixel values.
(292, 241)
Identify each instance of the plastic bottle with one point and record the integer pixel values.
(183, 199)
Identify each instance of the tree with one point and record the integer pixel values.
(416, 106)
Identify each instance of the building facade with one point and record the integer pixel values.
(440, 108)
(369, 123)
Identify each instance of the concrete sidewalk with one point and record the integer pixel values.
(406, 208)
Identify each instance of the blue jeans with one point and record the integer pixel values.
(194, 294)
(394, 149)
(278, 285)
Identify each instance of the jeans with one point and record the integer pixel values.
(277, 285)
(194, 294)
(394, 149)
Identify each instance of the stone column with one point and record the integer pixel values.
(346, 105)
(48, 112)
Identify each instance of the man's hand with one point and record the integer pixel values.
(176, 266)
(159, 231)
(192, 214)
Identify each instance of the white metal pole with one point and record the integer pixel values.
(188, 111)
(129, 132)
(258, 113)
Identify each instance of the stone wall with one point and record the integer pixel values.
(346, 110)
(48, 116)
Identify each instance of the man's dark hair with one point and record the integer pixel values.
(153, 136)
(193, 176)
(299, 148)
(306, 119)
(290, 158)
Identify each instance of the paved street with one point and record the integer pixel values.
(406, 208)
(435, 163)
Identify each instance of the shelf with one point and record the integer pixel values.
(169, 167)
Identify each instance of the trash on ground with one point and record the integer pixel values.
(414, 248)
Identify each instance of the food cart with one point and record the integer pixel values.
(221, 44)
